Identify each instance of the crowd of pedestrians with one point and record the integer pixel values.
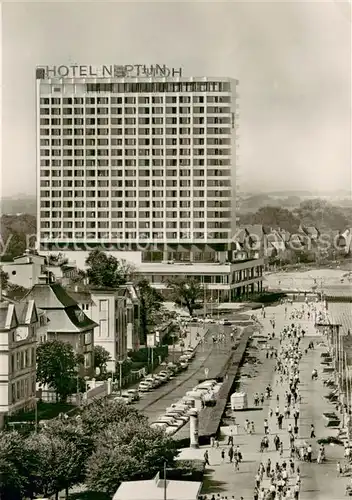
(279, 476)
(283, 480)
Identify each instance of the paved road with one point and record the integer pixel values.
(319, 482)
(209, 356)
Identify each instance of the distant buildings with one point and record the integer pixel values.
(268, 243)
(21, 325)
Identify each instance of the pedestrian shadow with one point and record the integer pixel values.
(212, 486)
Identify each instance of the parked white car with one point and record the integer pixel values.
(170, 420)
(175, 414)
(153, 381)
(167, 373)
(145, 387)
(207, 384)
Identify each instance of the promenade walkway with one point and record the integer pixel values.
(319, 481)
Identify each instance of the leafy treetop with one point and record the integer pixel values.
(106, 271)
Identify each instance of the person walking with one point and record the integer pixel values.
(230, 438)
(277, 442)
(252, 428)
(206, 457)
(230, 453)
(339, 469)
(236, 462)
(312, 431)
(268, 468)
(223, 456)
(266, 426)
(296, 489)
(279, 421)
(309, 453)
(257, 479)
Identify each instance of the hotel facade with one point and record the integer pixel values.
(144, 168)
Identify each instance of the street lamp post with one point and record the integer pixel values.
(36, 415)
(120, 376)
(204, 298)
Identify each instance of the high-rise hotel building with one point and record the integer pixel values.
(144, 167)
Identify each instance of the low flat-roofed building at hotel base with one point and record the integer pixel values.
(222, 282)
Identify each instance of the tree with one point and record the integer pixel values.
(17, 244)
(186, 291)
(128, 450)
(103, 412)
(78, 277)
(57, 259)
(57, 367)
(4, 279)
(101, 358)
(106, 271)
(149, 303)
(56, 463)
(14, 466)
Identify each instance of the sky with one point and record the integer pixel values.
(293, 61)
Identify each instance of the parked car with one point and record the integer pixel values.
(171, 420)
(173, 367)
(190, 352)
(162, 378)
(183, 365)
(177, 416)
(207, 384)
(186, 401)
(145, 386)
(154, 382)
(182, 408)
(134, 394)
(128, 397)
(167, 373)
